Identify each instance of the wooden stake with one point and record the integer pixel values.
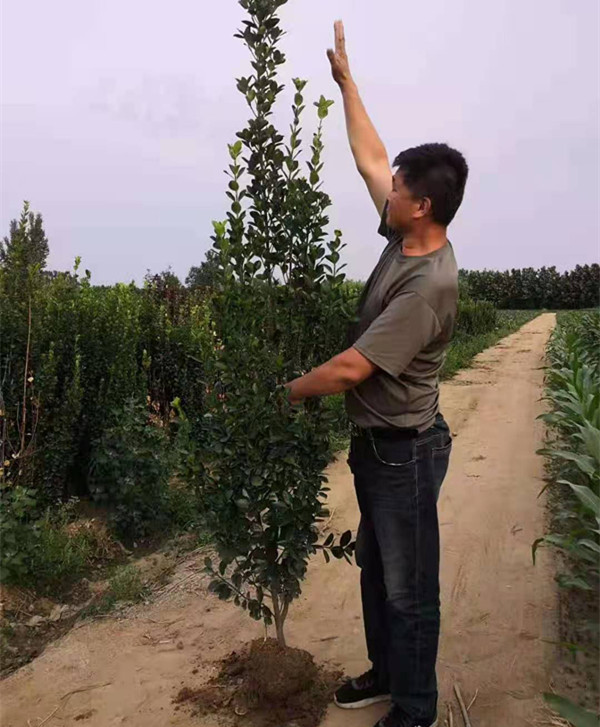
(463, 709)
(450, 716)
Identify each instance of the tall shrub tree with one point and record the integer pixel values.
(23, 257)
(26, 246)
(205, 274)
(279, 309)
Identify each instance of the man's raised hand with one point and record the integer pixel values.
(340, 68)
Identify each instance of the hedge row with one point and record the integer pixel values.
(531, 289)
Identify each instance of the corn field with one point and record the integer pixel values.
(573, 393)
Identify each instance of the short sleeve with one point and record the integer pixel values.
(405, 327)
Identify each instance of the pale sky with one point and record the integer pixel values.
(116, 116)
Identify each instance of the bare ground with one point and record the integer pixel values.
(499, 612)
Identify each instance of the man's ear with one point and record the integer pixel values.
(424, 207)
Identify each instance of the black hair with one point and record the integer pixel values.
(438, 172)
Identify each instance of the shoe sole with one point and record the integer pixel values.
(365, 702)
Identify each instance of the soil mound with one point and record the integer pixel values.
(265, 685)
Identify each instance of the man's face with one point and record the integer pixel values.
(403, 208)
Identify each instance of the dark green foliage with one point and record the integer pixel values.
(19, 538)
(204, 275)
(72, 358)
(130, 469)
(475, 317)
(280, 309)
(25, 249)
(167, 280)
(60, 557)
(88, 374)
(531, 289)
(71, 353)
(176, 336)
(21, 261)
(36, 548)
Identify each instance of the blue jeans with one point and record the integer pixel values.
(397, 484)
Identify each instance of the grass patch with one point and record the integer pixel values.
(48, 552)
(60, 557)
(464, 348)
(125, 586)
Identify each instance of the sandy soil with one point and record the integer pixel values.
(499, 612)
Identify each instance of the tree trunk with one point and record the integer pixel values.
(279, 614)
(25, 377)
(280, 633)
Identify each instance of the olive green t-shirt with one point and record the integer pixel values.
(405, 322)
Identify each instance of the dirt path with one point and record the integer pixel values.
(498, 610)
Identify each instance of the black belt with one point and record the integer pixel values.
(383, 432)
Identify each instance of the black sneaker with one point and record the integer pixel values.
(361, 692)
(397, 717)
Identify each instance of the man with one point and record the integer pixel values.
(400, 444)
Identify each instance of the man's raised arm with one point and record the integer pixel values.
(369, 152)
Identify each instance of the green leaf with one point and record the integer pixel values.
(577, 716)
(575, 582)
(219, 228)
(583, 462)
(346, 538)
(242, 85)
(299, 84)
(223, 592)
(589, 499)
(591, 545)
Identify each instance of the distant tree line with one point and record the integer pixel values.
(531, 289)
